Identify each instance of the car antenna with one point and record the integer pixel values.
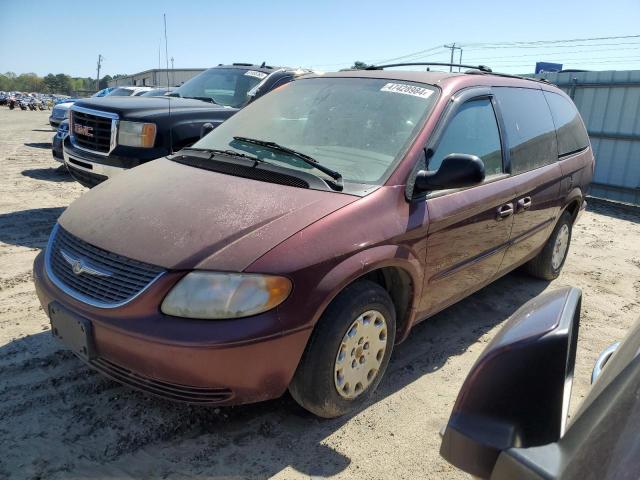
(166, 54)
(263, 64)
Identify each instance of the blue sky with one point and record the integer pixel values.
(67, 36)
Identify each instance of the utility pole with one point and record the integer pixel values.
(100, 58)
(453, 48)
(173, 75)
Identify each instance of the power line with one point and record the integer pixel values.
(554, 46)
(622, 60)
(560, 43)
(539, 42)
(407, 56)
(565, 54)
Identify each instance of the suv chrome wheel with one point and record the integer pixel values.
(360, 354)
(560, 247)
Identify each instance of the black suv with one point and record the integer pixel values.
(111, 134)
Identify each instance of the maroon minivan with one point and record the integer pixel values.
(295, 244)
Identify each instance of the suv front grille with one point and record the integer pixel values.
(91, 131)
(93, 275)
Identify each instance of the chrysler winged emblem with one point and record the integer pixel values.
(79, 266)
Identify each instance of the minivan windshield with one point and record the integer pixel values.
(359, 127)
(224, 86)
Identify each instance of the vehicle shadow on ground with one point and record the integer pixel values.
(28, 228)
(629, 213)
(44, 145)
(57, 174)
(106, 430)
(52, 129)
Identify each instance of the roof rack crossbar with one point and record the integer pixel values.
(482, 68)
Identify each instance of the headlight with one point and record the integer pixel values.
(214, 295)
(66, 113)
(136, 134)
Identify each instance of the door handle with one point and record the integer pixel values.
(504, 211)
(524, 204)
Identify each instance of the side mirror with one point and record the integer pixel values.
(517, 393)
(206, 129)
(456, 171)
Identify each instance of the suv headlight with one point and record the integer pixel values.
(214, 295)
(136, 134)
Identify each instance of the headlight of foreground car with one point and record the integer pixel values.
(211, 295)
(136, 134)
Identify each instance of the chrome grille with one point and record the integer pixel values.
(107, 279)
(92, 131)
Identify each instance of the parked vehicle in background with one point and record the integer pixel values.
(510, 420)
(296, 243)
(61, 108)
(60, 112)
(112, 135)
(129, 91)
(158, 92)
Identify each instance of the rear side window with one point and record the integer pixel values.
(572, 135)
(531, 134)
(474, 131)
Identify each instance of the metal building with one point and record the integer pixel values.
(157, 77)
(609, 103)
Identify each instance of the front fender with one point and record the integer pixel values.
(366, 261)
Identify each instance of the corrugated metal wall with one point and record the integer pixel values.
(609, 103)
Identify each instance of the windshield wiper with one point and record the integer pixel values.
(294, 153)
(229, 152)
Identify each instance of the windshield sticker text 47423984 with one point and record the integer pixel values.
(253, 73)
(406, 89)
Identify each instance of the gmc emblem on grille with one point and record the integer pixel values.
(83, 130)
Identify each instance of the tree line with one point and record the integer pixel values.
(60, 83)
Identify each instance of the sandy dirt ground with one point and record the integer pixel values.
(59, 419)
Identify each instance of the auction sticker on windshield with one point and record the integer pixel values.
(253, 73)
(407, 89)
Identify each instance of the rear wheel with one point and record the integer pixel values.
(548, 264)
(348, 352)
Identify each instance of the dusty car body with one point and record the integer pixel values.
(351, 262)
(511, 416)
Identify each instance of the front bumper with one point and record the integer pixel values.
(194, 361)
(87, 168)
(56, 148)
(55, 122)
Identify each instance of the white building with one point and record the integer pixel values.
(157, 77)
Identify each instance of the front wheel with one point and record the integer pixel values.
(549, 262)
(348, 352)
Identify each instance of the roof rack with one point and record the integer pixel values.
(508, 75)
(482, 68)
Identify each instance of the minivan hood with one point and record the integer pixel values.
(181, 217)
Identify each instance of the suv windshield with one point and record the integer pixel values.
(224, 86)
(359, 127)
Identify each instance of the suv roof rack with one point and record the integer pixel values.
(482, 68)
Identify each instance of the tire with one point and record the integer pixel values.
(544, 265)
(315, 385)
